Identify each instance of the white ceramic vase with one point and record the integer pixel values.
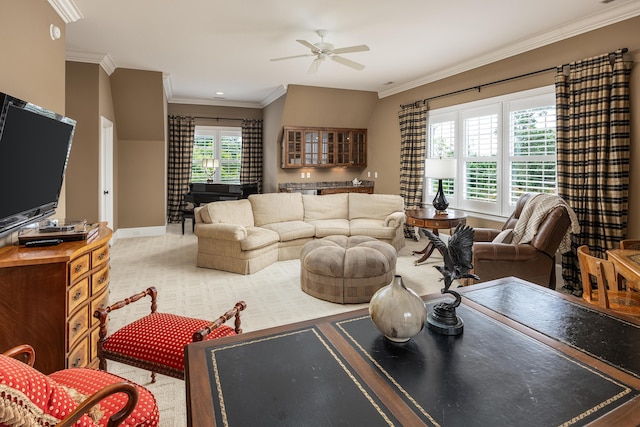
(398, 312)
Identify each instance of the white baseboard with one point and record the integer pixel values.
(125, 233)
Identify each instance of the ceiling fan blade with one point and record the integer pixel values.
(315, 66)
(347, 62)
(291, 57)
(351, 49)
(311, 46)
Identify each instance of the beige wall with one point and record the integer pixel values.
(272, 133)
(140, 114)
(33, 65)
(384, 132)
(88, 98)
(321, 107)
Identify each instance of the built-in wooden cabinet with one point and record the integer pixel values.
(49, 295)
(323, 147)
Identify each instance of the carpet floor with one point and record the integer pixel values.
(273, 296)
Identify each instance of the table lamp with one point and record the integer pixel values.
(440, 169)
(210, 166)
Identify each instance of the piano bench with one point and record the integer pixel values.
(188, 213)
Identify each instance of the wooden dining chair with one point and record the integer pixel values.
(156, 341)
(600, 285)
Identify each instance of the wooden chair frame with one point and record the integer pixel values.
(102, 315)
(608, 294)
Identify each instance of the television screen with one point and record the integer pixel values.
(34, 149)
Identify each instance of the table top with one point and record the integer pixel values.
(430, 213)
(627, 262)
(527, 356)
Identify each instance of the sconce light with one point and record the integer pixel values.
(210, 166)
(440, 169)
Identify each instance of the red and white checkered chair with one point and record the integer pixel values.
(70, 397)
(156, 342)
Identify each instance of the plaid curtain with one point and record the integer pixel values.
(593, 143)
(181, 137)
(251, 169)
(413, 141)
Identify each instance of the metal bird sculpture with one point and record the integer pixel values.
(457, 263)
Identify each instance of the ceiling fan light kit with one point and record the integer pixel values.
(322, 50)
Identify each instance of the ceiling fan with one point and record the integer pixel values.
(322, 50)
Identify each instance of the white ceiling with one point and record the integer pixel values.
(206, 46)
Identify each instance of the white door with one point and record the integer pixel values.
(105, 203)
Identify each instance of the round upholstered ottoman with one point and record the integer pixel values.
(346, 269)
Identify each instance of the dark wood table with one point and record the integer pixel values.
(528, 356)
(627, 262)
(430, 218)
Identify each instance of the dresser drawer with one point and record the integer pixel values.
(79, 355)
(78, 267)
(78, 325)
(77, 294)
(99, 256)
(99, 280)
(101, 301)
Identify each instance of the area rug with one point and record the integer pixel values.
(273, 296)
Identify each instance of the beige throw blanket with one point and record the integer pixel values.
(535, 211)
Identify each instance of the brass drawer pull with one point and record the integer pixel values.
(77, 327)
(79, 268)
(101, 280)
(102, 255)
(76, 364)
(77, 296)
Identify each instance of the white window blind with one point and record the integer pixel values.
(504, 146)
(221, 143)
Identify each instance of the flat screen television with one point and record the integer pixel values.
(34, 150)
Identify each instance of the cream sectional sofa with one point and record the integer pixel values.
(244, 236)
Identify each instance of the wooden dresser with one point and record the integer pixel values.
(48, 297)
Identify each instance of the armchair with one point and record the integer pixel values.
(533, 261)
(70, 397)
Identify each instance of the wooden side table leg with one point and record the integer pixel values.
(427, 251)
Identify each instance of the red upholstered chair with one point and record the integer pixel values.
(70, 397)
(156, 342)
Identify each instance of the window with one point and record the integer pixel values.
(504, 147)
(218, 143)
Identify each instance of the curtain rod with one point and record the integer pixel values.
(480, 86)
(216, 118)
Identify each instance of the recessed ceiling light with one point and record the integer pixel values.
(219, 93)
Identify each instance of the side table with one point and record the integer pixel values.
(429, 218)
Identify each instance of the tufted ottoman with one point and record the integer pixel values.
(346, 269)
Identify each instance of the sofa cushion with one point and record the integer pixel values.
(228, 211)
(374, 206)
(291, 230)
(372, 228)
(330, 206)
(276, 207)
(258, 238)
(331, 227)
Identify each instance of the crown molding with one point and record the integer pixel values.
(594, 22)
(213, 102)
(105, 60)
(167, 84)
(277, 93)
(67, 10)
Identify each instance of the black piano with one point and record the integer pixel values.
(201, 192)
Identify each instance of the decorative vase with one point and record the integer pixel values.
(398, 312)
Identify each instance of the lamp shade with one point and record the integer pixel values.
(440, 168)
(210, 163)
